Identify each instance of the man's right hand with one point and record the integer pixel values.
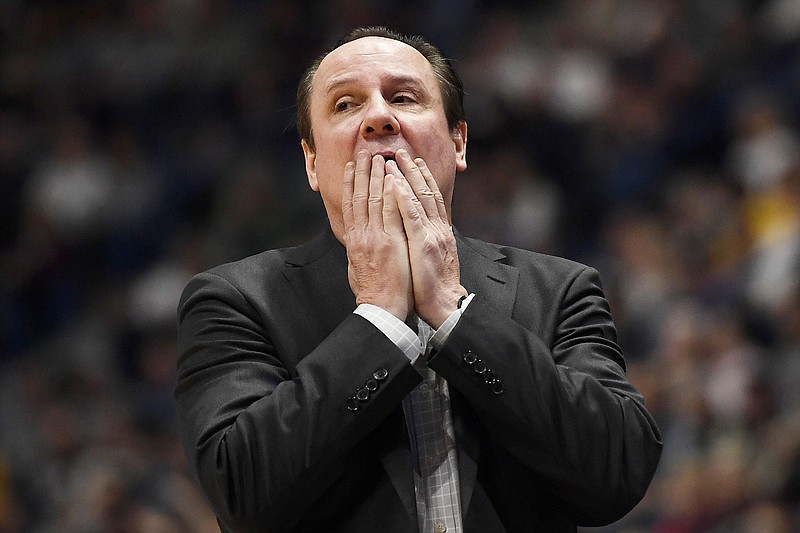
(377, 249)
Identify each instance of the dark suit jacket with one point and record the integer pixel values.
(270, 353)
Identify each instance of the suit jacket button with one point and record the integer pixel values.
(362, 395)
(469, 357)
(488, 376)
(371, 385)
(380, 374)
(352, 404)
(497, 386)
(479, 366)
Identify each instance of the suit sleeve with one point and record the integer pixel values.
(266, 444)
(564, 410)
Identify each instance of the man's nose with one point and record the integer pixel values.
(380, 120)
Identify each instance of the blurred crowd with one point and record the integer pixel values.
(144, 141)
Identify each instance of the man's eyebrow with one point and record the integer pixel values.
(335, 83)
(397, 79)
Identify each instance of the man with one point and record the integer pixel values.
(390, 376)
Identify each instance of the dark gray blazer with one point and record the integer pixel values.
(271, 356)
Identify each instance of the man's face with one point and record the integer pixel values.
(379, 95)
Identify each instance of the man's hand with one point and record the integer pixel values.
(435, 271)
(377, 249)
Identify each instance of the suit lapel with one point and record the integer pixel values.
(395, 453)
(317, 272)
(483, 273)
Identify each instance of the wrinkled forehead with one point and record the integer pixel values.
(371, 55)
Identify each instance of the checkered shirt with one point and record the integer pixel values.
(429, 421)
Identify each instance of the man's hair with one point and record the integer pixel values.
(450, 84)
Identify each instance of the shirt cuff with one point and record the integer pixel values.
(440, 336)
(395, 329)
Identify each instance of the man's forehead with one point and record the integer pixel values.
(380, 50)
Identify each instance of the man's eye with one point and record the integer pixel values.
(402, 99)
(343, 106)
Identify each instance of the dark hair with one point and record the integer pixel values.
(449, 82)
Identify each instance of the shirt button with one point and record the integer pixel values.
(440, 527)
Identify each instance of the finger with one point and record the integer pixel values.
(407, 190)
(418, 183)
(360, 194)
(392, 219)
(347, 195)
(375, 200)
(434, 187)
(410, 209)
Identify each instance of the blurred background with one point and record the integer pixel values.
(144, 141)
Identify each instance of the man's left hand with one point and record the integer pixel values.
(435, 272)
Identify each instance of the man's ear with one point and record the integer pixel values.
(311, 164)
(460, 142)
